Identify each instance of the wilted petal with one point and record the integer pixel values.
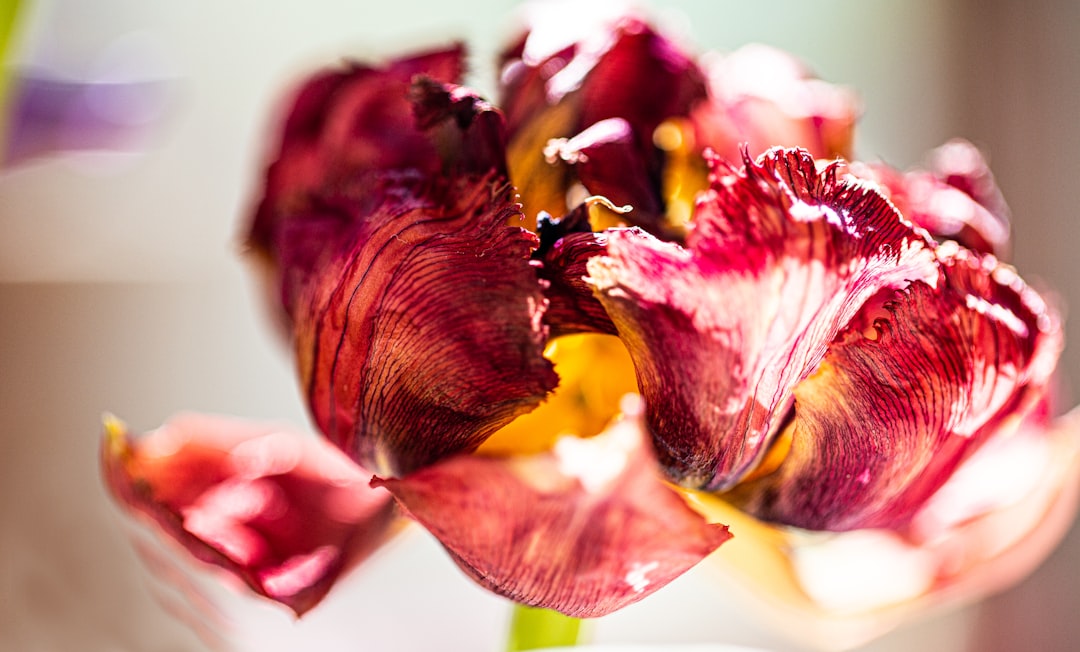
(424, 335)
(284, 512)
(779, 258)
(956, 199)
(585, 529)
(904, 395)
(761, 97)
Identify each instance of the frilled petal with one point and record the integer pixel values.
(348, 123)
(609, 90)
(284, 512)
(956, 199)
(909, 390)
(761, 97)
(425, 335)
(585, 529)
(780, 257)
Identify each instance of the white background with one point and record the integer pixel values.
(121, 289)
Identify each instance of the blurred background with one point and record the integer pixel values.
(122, 287)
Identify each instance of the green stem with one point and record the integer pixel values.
(532, 629)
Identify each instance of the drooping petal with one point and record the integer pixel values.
(585, 529)
(425, 335)
(904, 395)
(284, 512)
(603, 95)
(416, 312)
(779, 259)
(761, 97)
(956, 199)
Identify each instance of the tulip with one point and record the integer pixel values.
(577, 398)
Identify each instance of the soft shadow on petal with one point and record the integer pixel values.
(584, 529)
(780, 256)
(918, 382)
(284, 512)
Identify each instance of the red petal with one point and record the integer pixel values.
(779, 259)
(585, 529)
(424, 336)
(344, 122)
(905, 395)
(566, 245)
(284, 512)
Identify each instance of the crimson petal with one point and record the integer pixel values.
(780, 257)
(905, 395)
(350, 122)
(585, 529)
(284, 512)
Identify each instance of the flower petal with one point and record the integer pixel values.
(424, 336)
(761, 97)
(617, 83)
(904, 395)
(585, 529)
(956, 199)
(779, 258)
(566, 245)
(351, 122)
(284, 512)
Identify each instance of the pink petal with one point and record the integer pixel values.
(904, 395)
(779, 259)
(761, 97)
(585, 529)
(956, 199)
(284, 512)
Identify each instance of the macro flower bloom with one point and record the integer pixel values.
(576, 378)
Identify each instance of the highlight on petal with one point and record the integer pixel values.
(285, 513)
(424, 335)
(779, 258)
(761, 97)
(918, 381)
(581, 110)
(955, 199)
(584, 529)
